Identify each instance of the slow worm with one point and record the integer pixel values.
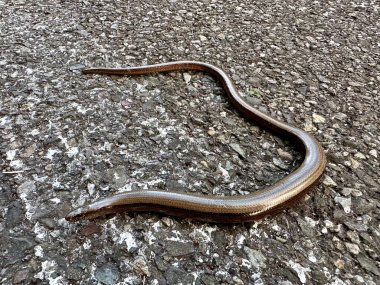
(219, 209)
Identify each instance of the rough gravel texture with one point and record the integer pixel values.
(67, 139)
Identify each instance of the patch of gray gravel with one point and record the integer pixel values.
(67, 139)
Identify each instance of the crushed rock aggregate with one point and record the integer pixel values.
(67, 139)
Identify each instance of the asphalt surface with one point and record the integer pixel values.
(67, 139)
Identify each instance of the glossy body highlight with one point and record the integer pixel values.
(225, 209)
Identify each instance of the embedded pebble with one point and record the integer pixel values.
(107, 274)
(353, 248)
(257, 259)
(284, 154)
(318, 118)
(177, 248)
(187, 77)
(140, 266)
(21, 276)
(236, 147)
(254, 101)
(279, 163)
(373, 152)
(300, 271)
(339, 263)
(368, 264)
(345, 203)
(328, 181)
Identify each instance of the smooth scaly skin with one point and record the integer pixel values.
(229, 209)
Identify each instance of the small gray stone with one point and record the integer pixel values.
(254, 101)
(356, 225)
(21, 276)
(364, 206)
(346, 191)
(299, 81)
(285, 283)
(323, 79)
(117, 176)
(236, 147)
(237, 281)
(331, 105)
(368, 180)
(368, 264)
(107, 274)
(256, 258)
(175, 275)
(74, 273)
(353, 248)
(340, 116)
(279, 163)
(49, 223)
(328, 181)
(284, 154)
(187, 77)
(351, 191)
(15, 214)
(318, 119)
(254, 81)
(26, 188)
(353, 236)
(77, 66)
(345, 203)
(373, 152)
(16, 248)
(220, 240)
(306, 227)
(355, 84)
(177, 248)
(371, 240)
(161, 264)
